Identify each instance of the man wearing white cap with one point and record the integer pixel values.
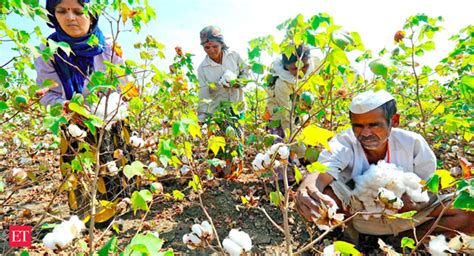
(373, 138)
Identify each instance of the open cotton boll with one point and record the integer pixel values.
(112, 167)
(231, 247)
(76, 132)
(274, 148)
(257, 163)
(284, 152)
(192, 240)
(206, 226)
(462, 243)
(76, 226)
(198, 230)
(136, 141)
(56, 240)
(329, 250)
(19, 174)
(267, 160)
(241, 238)
(438, 246)
(116, 108)
(185, 169)
(418, 196)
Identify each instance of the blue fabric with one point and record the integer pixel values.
(82, 56)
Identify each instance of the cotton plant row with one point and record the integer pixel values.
(264, 161)
(63, 234)
(381, 187)
(236, 243)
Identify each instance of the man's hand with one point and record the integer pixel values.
(309, 198)
(409, 205)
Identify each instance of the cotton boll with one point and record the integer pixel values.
(462, 243)
(192, 240)
(257, 162)
(197, 229)
(284, 152)
(57, 240)
(19, 174)
(276, 164)
(112, 167)
(438, 246)
(116, 109)
(76, 226)
(76, 132)
(185, 169)
(158, 171)
(137, 141)
(241, 238)
(206, 226)
(330, 250)
(267, 160)
(231, 247)
(274, 148)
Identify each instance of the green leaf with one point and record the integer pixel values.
(468, 80)
(345, 248)
(317, 166)
(139, 200)
(3, 76)
(24, 253)
(258, 68)
(109, 247)
(433, 184)
(3, 106)
(178, 195)
(215, 143)
(195, 183)
(136, 168)
(405, 215)
(144, 245)
(275, 197)
(408, 242)
(298, 175)
(378, 68)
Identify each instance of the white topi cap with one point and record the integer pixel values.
(369, 100)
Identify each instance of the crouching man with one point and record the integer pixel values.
(373, 137)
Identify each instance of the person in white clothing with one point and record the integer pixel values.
(218, 74)
(221, 76)
(373, 138)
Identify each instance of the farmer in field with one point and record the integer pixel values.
(283, 87)
(221, 76)
(373, 138)
(69, 75)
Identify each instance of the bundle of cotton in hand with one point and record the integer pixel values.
(111, 109)
(381, 187)
(64, 233)
(226, 78)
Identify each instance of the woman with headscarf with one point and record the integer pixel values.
(221, 76)
(69, 74)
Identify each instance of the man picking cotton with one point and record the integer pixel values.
(374, 138)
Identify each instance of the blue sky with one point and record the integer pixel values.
(179, 22)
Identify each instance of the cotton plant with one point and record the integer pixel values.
(111, 109)
(264, 161)
(63, 234)
(237, 243)
(226, 78)
(200, 236)
(327, 217)
(381, 187)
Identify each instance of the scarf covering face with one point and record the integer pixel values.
(212, 33)
(82, 55)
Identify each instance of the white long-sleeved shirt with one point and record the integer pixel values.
(211, 72)
(407, 149)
